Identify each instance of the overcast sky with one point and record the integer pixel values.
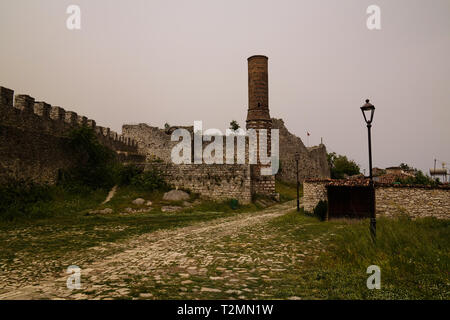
(179, 61)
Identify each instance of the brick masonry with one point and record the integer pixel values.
(258, 118)
(391, 200)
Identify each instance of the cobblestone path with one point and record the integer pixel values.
(239, 257)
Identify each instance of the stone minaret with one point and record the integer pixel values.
(258, 117)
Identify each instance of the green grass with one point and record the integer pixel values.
(64, 227)
(413, 255)
(287, 191)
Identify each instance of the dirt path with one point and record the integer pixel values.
(236, 257)
(110, 195)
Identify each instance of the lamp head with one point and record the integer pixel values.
(368, 110)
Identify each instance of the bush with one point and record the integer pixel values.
(126, 173)
(320, 211)
(96, 167)
(418, 179)
(149, 181)
(94, 162)
(234, 125)
(20, 199)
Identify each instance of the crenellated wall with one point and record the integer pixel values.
(32, 138)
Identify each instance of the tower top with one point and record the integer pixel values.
(258, 89)
(258, 56)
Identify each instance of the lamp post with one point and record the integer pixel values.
(297, 158)
(368, 110)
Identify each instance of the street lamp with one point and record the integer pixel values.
(368, 110)
(297, 158)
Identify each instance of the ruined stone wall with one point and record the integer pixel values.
(391, 200)
(152, 142)
(216, 181)
(32, 138)
(155, 143)
(313, 192)
(417, 202)
(313, 161)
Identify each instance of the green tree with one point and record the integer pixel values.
(234, 125)
(92, 162)
(419, 179)
(404, 166)
(340, 166)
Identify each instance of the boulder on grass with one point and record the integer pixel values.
(139, 201)
(176, 195)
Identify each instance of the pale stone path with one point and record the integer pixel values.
(110, 195)
(235, 257)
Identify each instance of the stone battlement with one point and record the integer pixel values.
(33, 139)
(23, 112)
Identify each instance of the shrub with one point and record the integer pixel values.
(94, 163)
(418, 179)
(234, 125)
(20, 199)
(126, 173)
(149, 181)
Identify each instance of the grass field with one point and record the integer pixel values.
(413, 255)
(63, 226)
(320, 260)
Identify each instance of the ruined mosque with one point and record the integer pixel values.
(33, 135)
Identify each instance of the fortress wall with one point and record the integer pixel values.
(155, 143)
(152, 142)
(28, 155)
(313, 161)
(217, 182)
(32, 138)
